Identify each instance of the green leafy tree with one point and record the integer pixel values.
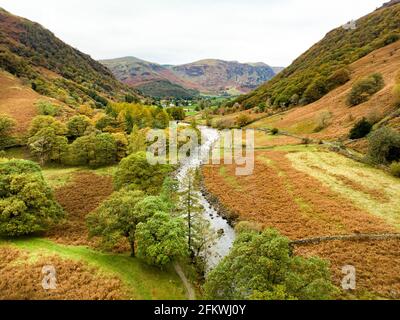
(41, 122)
(136, 172)
(261, 266)
(161, 240)
(27, 203)
(7, 125)
(199, 234)
(93, 150)
(137, 140)
(119, 216)
(78, 125)
(161, 119)
(122, 143)
(46, 145)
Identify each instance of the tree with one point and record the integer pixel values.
(137, 173)
(27, 203)
(121, 142)
(46, 145)
(41, 122)
(137, 140)
(116, 218)
(119, 216)
(93, 150)
(177, 113)
(7, 125)
(161, 119)
(261, 266)
(361, 129)
(316, 90)
(384, 146)
(199, 234)
(161, 240)
(78, 125)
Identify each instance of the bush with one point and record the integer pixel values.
(361, 129)
(396, 94)
(48, 109)
(391, 38)
(384, 146)
(339, 78)
(242, 120)
(395, 169)
(27, 203)
(274, 131)
(364, 89)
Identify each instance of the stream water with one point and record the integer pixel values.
(223, 245)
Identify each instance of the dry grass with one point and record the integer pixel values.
(369, 189)
(17, 101)
(78, 198)
(21, 279)
(277, 195)
(377, 264)
(304, 192)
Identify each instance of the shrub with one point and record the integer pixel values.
(364, 89)
(396, 94)
(274, 131)
(46, 108)
(360, 130)
(242, 120)
(395, 169)
(384, 146)
(391, 38)
(27, 203)
(338, 78)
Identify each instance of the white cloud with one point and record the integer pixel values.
(179, 31)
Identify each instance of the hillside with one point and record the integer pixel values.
(53, 68)
(315, 73)
(339, 117)
(206, 76)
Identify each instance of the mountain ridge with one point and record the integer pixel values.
(212, 76)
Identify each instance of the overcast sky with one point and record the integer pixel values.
(180, 31)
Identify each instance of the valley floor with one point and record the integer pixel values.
(308, 191)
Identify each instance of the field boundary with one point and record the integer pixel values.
(350, 237)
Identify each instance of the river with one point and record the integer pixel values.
(224, 244)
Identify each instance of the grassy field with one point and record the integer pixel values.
(307, 191)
